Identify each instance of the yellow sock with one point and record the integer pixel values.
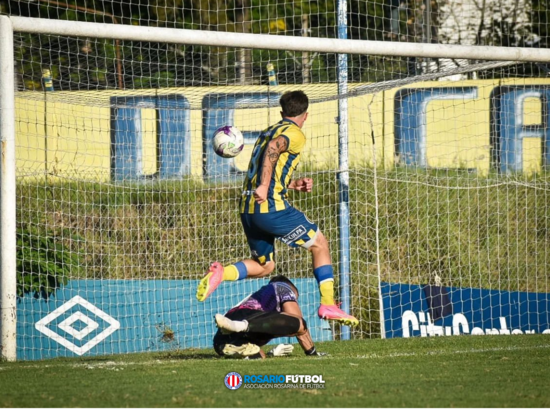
(230, 273)
(326, 288)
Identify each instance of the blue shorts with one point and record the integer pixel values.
(290, 226)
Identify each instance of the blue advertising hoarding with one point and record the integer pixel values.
(425, 310)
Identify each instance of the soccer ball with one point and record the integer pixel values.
(228, 141)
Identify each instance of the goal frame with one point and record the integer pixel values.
(341, 46)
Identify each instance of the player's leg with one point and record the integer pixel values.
(293, 228)
(262, 248)
(322, 267)
(234, 345)
(271, 324)
(243, 344)
(324, 274)
(249, 268)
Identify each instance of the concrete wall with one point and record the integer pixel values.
(433, 125)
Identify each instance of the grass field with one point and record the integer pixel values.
(483, 371)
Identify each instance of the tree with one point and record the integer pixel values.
(102, 64)
(540, 18)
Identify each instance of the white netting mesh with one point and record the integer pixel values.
(117, 181)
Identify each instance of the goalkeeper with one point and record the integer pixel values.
(266, 214)
(269, 313)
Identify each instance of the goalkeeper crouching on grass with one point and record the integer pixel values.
(269, 313)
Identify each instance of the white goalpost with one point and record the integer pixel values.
(113, 203)
(8, 316)
(270, 42)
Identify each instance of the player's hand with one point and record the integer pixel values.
(260, 194)
(303, 185)
(281, 350)
(317, 353)
(313, 352)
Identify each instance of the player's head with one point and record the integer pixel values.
(282, 279)
(294, 104)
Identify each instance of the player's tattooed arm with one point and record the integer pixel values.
(274, 149)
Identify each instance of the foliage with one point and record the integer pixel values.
(43, 262)
(540, 16)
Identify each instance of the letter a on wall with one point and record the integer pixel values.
(507, 116)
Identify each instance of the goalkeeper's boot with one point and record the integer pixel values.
(210, 281)
(228, 326)
(249, 351)
(333, 313)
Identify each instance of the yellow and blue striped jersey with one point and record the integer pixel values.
(282, 172)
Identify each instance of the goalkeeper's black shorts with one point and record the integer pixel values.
(241, 338)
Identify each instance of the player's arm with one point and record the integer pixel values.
(272, 152)
(301, 185)
(303, 336)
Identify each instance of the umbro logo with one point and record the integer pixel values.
(79, 325)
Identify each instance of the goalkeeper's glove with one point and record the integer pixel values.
(314, 352)
(281, 350)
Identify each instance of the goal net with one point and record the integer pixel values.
(429, 164)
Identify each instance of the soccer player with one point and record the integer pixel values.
(267, 215)
(269, 313)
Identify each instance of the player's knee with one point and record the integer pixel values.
(320, 244)
(267, 269)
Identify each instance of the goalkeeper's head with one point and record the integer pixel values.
(282, 279)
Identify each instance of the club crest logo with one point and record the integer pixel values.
(233, 380)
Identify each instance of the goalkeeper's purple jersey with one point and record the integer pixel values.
(269, 298)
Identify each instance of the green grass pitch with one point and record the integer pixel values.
(469, 371)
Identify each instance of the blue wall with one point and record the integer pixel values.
(136, 312)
